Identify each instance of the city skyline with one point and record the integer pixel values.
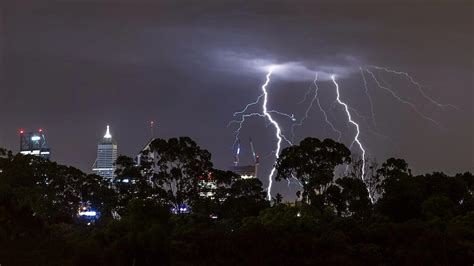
(71, 69)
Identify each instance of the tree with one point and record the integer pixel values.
(132, 182)
(438, 207)
(50, 191)
(394, 169)
(350, 197)
(373, 181)
(313, 163)
(178, 164)
(47, 189)
(213, 191)
(245, 197)
(278, 199)
(402, 195)
(97, 192)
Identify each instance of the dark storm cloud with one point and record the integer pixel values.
(73, 66)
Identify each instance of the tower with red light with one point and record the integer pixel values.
(34, 143)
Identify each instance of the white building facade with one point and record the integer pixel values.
(106, 156)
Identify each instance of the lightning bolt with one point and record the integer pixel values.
(265, 114)
(248, 106)
(365, 118)
(417, 84)
(356, 137)
(243, 119)
(291, 117)
(369, 97)
(367, 122)
(386, 88)
(310, 88)
(331, 125)
(310, 106)
(241, 123)
(295, 180)
(277, 134)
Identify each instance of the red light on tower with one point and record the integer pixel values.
(22, 131)
(40, 130)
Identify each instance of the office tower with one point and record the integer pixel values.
(106, 156)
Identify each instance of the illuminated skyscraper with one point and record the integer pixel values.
(34, 143)
(106, 156)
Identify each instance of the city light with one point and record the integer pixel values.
(88, 213)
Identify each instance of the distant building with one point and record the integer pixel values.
(34, 143)
(106, 156)
(245, 171)
(145, 160)
(207, 185)
(145, 154)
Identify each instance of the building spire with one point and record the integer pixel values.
(107, 133)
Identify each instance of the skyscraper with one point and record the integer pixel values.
(106, 156)
(34, 143)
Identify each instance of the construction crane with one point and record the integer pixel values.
(255, 156)
(237, 153)
(245, 171)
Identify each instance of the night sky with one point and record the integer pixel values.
(72, 67)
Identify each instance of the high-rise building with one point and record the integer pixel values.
(34, 143)
(106, 156)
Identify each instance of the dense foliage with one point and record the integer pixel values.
(414, 220)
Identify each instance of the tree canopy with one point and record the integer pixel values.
(424, 219)
(313, 163)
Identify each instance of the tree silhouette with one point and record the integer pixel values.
(425, 219)
(313, 163)
(178, 164)
(350, 197)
